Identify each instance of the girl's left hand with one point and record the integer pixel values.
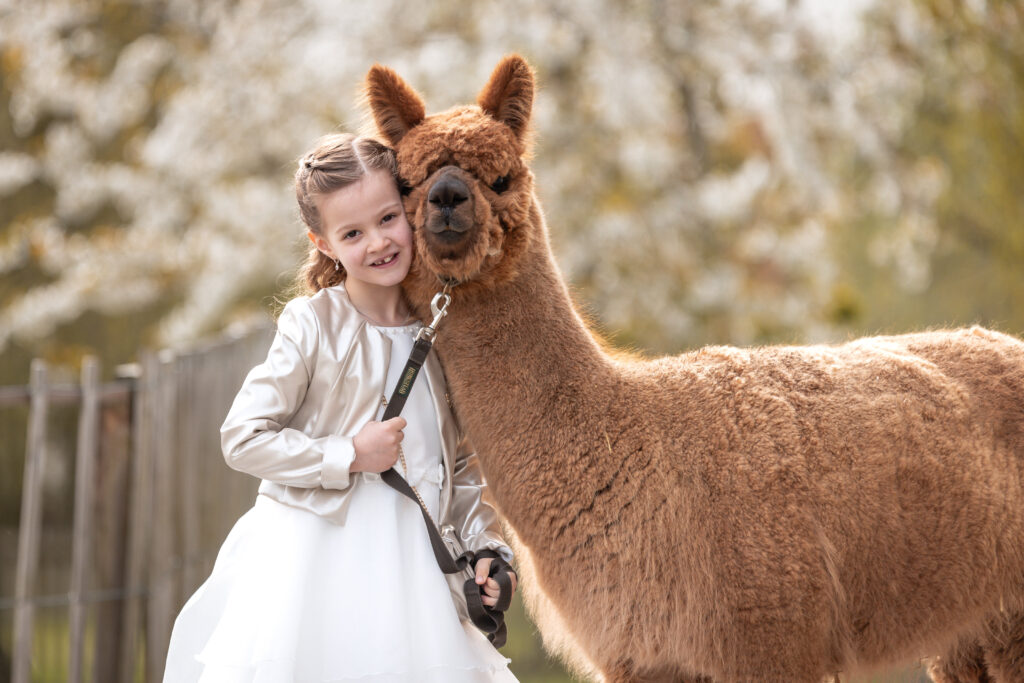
(491, 589)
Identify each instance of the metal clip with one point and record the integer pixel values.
(439, 311)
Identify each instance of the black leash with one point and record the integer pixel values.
(490, 620)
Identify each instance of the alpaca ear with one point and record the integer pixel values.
(396, 107)
(508, 95)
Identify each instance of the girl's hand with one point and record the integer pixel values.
(376, 445)
(491, 589)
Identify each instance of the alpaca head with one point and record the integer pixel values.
(469, 191)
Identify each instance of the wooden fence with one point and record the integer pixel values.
(96, 588)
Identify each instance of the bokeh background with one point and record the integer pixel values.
(769, 171)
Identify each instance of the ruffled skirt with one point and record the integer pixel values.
(294, 598)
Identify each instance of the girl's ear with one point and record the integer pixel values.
(396, 107)
(320, 243)
(508, 95)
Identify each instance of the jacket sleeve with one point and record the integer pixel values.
(474, 517)
(255, 438)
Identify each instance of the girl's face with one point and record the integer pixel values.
(364, 226)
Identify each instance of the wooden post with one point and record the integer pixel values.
(165, 561)
(191, 405)
(85, 458)
(214, 491)
(30, 524)
(140, 521)
(111, 500)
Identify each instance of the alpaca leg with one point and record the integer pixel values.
(963, 663)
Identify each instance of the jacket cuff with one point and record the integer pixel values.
(489, 541)
(338, 456)
(503, 550)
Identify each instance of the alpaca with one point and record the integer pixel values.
(774, 514)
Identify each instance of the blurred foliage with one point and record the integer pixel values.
(720, 172)
(968, 128)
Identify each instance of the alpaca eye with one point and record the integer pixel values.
(404, 188)
(500, 185)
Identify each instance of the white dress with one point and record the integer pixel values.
(294, 598)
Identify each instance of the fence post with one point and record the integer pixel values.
(30, 524)
(192, 408)
(140, 519)
(85, 459)
(111, 520)
(165, 561)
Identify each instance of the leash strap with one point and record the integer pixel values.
(490, 620)
(412, 369)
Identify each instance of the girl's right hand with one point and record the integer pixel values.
(376, 445)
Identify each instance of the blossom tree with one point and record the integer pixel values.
(700, 163)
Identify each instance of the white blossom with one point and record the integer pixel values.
(16, 170)
(683, 149)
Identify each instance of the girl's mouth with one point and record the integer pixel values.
(386, 261)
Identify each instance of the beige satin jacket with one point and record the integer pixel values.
(293, 420)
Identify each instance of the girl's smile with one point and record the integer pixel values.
(388, 260)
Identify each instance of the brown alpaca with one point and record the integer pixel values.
(773, 514)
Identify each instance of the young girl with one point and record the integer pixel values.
(330, 576)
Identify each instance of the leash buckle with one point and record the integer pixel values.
(439, 310)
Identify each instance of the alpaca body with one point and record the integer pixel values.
(775, 514)
(848, 505)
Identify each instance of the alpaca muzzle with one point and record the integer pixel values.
(450, 206)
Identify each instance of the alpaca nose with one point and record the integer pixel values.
(446, 194)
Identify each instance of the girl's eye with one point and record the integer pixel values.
(500, 185)
(350, 234)
(388, 218)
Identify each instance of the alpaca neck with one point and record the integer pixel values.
(521, 366)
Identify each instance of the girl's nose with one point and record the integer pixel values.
(380, 242)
